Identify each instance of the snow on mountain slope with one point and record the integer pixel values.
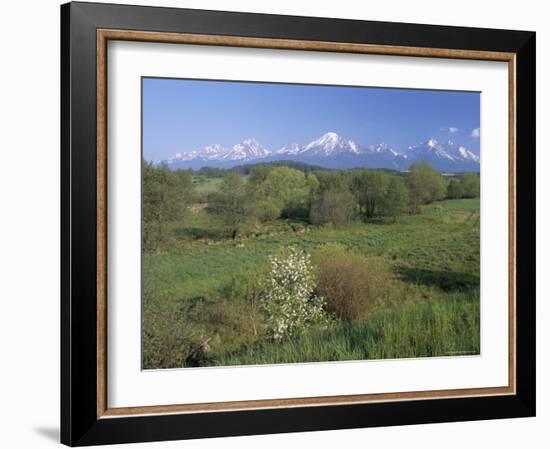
(248, 149)
(330, 144)
(447, 156)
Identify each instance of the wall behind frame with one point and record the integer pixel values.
(29, 228)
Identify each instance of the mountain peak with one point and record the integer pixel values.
(431, 142)
(246, 150)
(330, 138)
(291, 149)
(251, 141)
(330, 143)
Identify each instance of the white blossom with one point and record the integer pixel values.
(289, 298)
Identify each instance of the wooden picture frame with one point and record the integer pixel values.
(85, 418)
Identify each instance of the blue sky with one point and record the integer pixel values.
(185, 115)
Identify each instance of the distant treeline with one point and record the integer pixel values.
(247, 169)
(302, 193)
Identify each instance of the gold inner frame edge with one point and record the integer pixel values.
(104, 35)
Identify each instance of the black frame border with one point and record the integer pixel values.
(79, 422)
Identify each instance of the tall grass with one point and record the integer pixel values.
(437, 328)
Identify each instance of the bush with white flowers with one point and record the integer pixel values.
(289, 300)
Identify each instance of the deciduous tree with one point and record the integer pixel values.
(165, 197)
(425, 185)
(396, 199)
(230, 202)
(336, 207)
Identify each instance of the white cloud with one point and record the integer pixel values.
(449, 129)
(475, 133)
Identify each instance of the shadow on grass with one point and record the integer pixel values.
(201, 233)
(445, 280)
(385, 221)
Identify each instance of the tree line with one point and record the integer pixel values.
(247, 169)
(319, 197)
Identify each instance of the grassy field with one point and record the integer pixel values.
(202, 184)
(431, 309)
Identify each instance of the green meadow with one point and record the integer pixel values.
(204, 282)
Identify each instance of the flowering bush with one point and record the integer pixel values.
(288, 300)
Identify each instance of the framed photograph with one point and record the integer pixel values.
(282, 224)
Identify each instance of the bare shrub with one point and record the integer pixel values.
(349, 283)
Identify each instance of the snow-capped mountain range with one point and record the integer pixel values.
(332, 151)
